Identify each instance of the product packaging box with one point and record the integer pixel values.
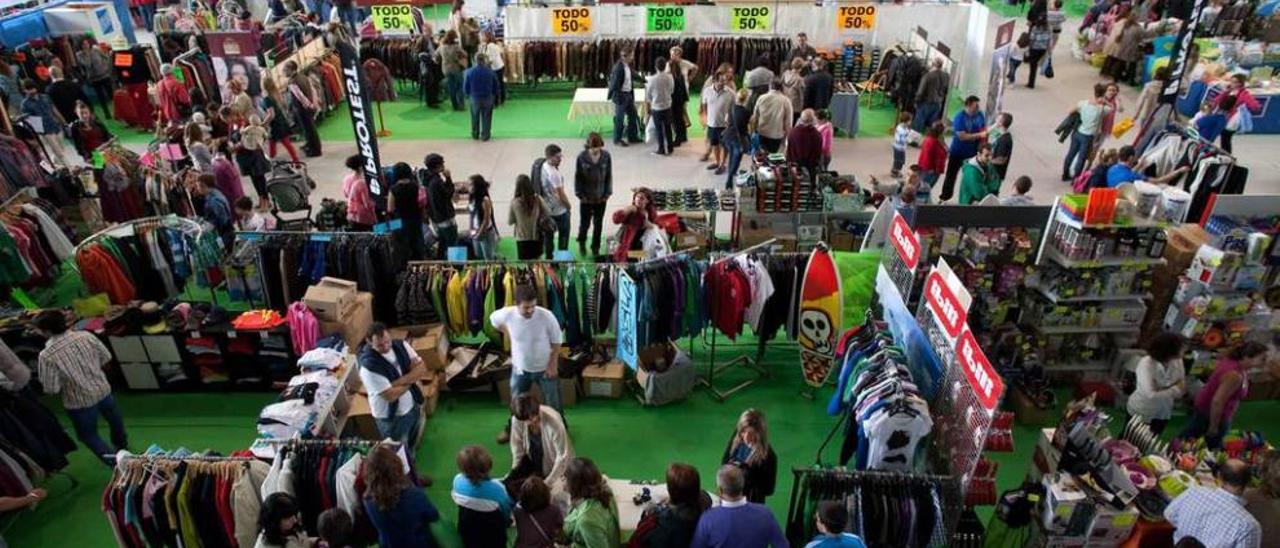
(429, 340)
(330, 299)
(1064, 510)
(354, 323)
(1111, 526)
(603, 380)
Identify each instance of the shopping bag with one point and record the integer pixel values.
(1122, 127)
(651, 132)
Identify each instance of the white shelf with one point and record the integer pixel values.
(1085, 367)
(1077, 330)
(1066, 219)
(1053, 297)
(1058, 257)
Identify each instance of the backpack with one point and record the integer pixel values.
(535, 173)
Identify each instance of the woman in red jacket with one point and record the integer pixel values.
(1244, 99)
(933, 154)
(634, 220)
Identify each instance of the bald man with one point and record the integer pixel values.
(1216, 516)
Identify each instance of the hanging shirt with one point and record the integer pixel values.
(893, 438)
(761, 288)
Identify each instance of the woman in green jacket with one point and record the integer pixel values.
(593, 520)
(979, 178)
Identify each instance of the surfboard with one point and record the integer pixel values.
(820, 315)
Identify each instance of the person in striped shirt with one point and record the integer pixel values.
(71, 364)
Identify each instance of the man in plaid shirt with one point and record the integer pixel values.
(1216, 516)
(71, 364)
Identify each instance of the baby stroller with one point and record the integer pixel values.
(289, 187)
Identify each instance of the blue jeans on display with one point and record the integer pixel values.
(734, 160)
(523, 382)
(453, 88)
(481, 117)
(85, 422)
(926, 113)
(1079, 151)
(402, 428)
(1199, 426)
(559, 240)
(626, 110)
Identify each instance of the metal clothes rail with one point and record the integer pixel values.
(752, 363)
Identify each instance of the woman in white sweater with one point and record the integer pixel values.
(1161, 380)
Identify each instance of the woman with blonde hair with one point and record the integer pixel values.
(398, 509)
(276, 116)
(749, 450)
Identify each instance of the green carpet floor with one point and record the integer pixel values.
(526, 115)
(626, 440)
(1074, 9)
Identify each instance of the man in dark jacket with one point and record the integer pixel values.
(480, 84)
(930, 96)
(622, 84)
(64, 94)
(440, 210)
(818, 86)
(804, 143)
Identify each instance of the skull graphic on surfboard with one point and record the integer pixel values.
(819, 319)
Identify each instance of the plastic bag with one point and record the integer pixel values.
(1122, 127)
(651, 132)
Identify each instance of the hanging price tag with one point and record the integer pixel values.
(665, 19)
(856, 17)
(571, 20)
(751, 19)
(393, 17)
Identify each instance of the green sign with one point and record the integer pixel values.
(393, 17)
(665, 19)
(751, 19)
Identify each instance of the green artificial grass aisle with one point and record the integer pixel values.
(626, 440)
(526, 115)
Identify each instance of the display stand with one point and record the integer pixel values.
(750, 363)
(1119, 306)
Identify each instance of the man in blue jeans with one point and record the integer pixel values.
(71, 364)
(622, 85)
(535, 337)
(480, 84)
(390, 370)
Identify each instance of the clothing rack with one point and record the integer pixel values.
(26, 193)
(125, 459)
(437, 262)
(186, 225)
(748, 362)
(947, 488)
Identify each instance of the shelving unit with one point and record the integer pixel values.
(1122, 259)
(1057, 299)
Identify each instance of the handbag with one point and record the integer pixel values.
(546, 225)
(541, 532)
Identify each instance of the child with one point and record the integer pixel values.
(1019, 197)
(249, 220)
(538, 522)
(1213, 119)
(827, 131)
(901, 133)
(335, 529)
(1016, 54)
(915, 177)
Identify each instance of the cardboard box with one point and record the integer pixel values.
(360, 421)
(1111, 526)
(752, 233)
(331, 298)
(568, 392)
(429, 340)
(689, 240)
(354, 324)
(843, 241)
(430, 387)
(603, 381)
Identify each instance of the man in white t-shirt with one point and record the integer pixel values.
(390, 370)
(718, 99)
(535, 337)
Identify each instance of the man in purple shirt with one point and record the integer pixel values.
(735, 522)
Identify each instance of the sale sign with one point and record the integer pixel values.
(856, 17)
(393, 17)
(571, 20)
(664, 19)
(948, 310)
(986, 383)
(903, 238)
(751, 19)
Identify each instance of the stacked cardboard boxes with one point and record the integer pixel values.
(341, 309)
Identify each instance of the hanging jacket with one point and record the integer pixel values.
(1067, 126)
